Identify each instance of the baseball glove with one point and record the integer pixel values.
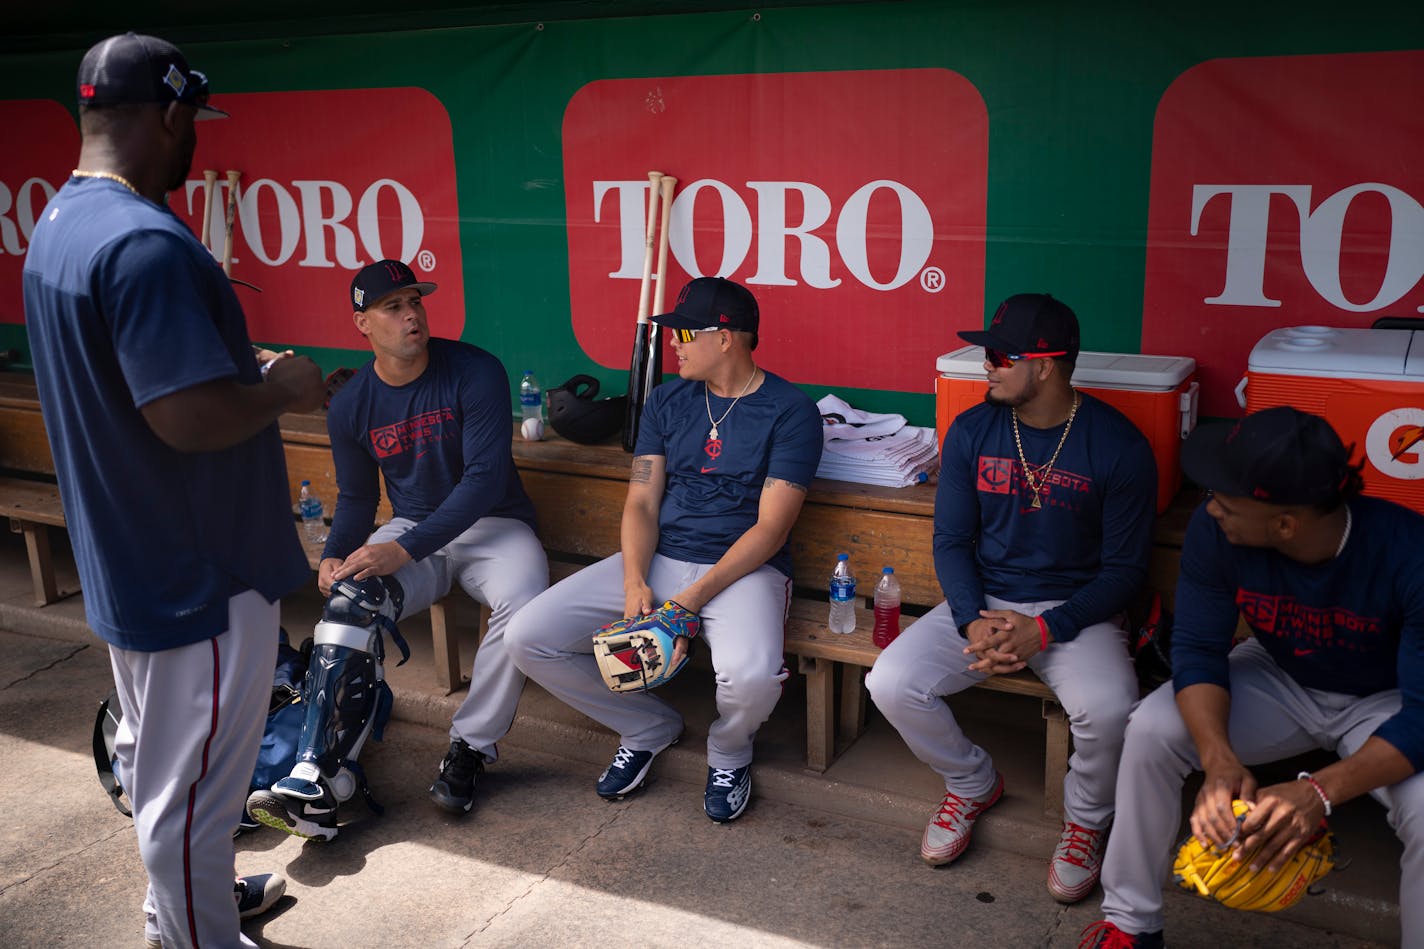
(1212, 873)
(635, 653)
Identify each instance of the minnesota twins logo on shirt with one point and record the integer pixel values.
(1285, 618)
(416, 432)
(1059, 488)
(713, 448)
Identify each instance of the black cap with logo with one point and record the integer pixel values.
(133, 68)
(1029, 323)
(708, 302)
(374, 281)
(1279, 455)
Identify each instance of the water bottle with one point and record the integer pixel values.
(531, 397)
(313, 529)
(887, 608)
(842, 619)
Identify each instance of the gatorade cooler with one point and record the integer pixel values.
(1368, 383)
(1158, 393)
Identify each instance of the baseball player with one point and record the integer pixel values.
(172, 475)
(1331, 585)
(1043, 520)
(431, 417)
(720, 470)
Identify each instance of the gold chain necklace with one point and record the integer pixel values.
(106, 174)
(712, 435)
(1037, 475)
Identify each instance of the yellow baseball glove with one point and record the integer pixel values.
(1213, 874)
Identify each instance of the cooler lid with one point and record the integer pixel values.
(1105, 370)
(1338, 352)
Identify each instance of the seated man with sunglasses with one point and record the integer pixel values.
(1043, 519)
(720, 470)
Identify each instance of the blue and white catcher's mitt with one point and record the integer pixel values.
(635, 653)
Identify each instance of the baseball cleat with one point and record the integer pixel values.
(729, 790)
(947, 833)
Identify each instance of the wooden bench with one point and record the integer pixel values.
(33, 507)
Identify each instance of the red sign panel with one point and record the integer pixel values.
(330, 181)
(851, 203)
(29, 177)
(1285, 191)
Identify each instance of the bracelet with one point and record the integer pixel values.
(1307, 776)
(1043, 638)
(265, 368)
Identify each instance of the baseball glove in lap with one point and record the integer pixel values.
(1213, 874)
(635, 654)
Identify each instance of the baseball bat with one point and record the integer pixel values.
(638, 367)
(232, 178)
(210, 179)
(655, 332)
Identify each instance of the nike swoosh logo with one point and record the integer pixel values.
(421, 454)
(1304, 652)
(705, 470)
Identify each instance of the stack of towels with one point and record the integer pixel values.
(874, 449)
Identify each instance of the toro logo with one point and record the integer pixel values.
(330, 181)
(1285, 191)
(29, 177)
(851, 203)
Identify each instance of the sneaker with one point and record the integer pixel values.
(255, 894)
(1077, 861)
(947, 834)
(454, 789)
(626, 774)
(728, 792)
(294, 814)
(1105, 935)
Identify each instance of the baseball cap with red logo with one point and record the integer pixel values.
(1029, 323)
(374, 281)
(1279, 455)
(134, 68)
(708, 302)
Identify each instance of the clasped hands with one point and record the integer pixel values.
(1002, 640)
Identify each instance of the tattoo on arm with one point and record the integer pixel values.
(642, 470)
(789, 484)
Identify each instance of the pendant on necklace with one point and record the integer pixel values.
(712, 435)
(1036, 503)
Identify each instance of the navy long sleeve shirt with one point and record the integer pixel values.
(1087, 544)
(1354, 624)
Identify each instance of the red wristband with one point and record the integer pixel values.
(1043, 638)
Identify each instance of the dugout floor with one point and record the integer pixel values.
(818, 860)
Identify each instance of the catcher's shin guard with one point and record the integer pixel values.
(347, 700)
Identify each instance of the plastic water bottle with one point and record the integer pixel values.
(531, 397)
(313, 528)
(887, 608)
(842, 619)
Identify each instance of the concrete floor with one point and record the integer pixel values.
(818, 860)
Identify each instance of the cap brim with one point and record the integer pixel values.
(1204, 459)
(986, 339)
(208, 112)
(678, 321)
(426, 289)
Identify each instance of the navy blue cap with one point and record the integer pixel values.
(132, 68)
(713, 301)
(1279, 455)
(374, 281)
(1028, 323)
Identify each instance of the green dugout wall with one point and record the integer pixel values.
(1170, 175)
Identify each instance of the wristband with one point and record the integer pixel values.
(1307, 776)
(1043, 638)
(265, 368)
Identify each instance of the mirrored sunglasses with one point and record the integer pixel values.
(687, 336)
(1002, 360)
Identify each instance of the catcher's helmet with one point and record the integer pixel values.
(575, 414)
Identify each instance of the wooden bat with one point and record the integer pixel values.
(232, 178)
(210, 180)
(655, 332)
(638, 367)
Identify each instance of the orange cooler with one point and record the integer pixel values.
(1158, 393)
(1368, 383)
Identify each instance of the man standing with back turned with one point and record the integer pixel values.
(171, 471)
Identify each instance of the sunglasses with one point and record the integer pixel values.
(1001, 360)
(687, 336)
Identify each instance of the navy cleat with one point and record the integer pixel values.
(256, 894)
(626, 774)
(301, 808)
(729, 790)
(454, 789)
